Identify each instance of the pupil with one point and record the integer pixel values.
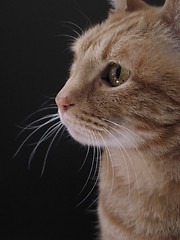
(118, 72)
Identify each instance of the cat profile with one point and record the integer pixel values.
(123, 95)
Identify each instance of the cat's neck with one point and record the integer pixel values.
(146, 169)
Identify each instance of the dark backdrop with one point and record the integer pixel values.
(35, 60)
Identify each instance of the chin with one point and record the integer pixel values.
(80, 137)
(81, 134)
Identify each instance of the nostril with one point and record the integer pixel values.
(66, 106)
(64, 103)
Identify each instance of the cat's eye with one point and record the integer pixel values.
(116, 74)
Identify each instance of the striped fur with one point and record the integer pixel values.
(136, 123)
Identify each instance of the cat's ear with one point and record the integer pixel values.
(128, 5)
(171, 13)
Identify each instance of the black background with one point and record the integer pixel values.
(35, 60)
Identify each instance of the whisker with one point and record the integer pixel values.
(98, 164)
(30, 135)
(87, 153)
(112, 168)
(126, 129)
(86, 17)
(78, 34)
(97, 156)
(50, 145)
(92, 165)
(61, 134)
(33, 126)
(121, 126)
(95, 184)
(128, 175)
(92, 189)
(131, 162)
(136, 150)
(50, 106)
(68, 36)
(44, 137)
(75, 25)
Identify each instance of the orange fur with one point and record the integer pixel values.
(137, 123)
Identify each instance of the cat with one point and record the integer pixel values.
(123, 95)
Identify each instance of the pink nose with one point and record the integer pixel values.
(63, 102)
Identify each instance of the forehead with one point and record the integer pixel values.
(103, 40)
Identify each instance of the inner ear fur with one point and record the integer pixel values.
(171, 13)
(129, 5)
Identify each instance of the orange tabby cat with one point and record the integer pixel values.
(123, 95)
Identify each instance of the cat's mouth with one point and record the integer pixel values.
(98, 133)
(82, 131)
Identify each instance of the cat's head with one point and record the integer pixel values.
(124, 82)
